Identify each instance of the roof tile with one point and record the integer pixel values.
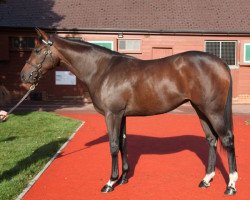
(162, 15)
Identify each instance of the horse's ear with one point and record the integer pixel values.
(38, 42)
(41, 34)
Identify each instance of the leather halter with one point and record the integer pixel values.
(38, 67)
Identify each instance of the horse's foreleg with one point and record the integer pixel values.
(123, 149)
(113, 122)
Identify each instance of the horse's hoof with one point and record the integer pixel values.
(204, 184)
(107, 189)
(230, 191)
(123, 181)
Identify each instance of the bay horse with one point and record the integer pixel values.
(122, 85)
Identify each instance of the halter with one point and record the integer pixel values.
(38, 70)
(38, 67)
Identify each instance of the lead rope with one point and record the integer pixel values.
(22, 99)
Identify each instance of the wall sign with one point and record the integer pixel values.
(65, 78)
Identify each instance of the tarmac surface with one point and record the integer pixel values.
(167, 155)
(80, 107)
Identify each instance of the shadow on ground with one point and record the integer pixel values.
(140, 145)
(44, 152)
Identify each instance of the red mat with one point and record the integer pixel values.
(167, 156)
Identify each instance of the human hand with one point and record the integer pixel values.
(3, 115)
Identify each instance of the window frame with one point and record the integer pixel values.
(236, 65)
(12, 47)
(244, 53)
(103, 41)
(130, 51)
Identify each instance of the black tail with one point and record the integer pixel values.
(228, 139)
(228, 116)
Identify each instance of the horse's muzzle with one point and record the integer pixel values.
(30, 77)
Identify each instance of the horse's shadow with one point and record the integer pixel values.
(139, 145)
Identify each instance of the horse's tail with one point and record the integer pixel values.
(228, 139)
(228, 116)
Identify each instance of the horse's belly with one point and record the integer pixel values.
(152, 107)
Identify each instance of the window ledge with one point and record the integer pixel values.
(234, 66)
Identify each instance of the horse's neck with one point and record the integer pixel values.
(87, 63)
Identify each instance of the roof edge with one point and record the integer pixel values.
(131, 31)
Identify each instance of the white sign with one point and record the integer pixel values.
(65, 78)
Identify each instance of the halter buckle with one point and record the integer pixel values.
(32, 87)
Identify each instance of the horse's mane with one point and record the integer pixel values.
(91, 45)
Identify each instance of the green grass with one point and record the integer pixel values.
(27, 142)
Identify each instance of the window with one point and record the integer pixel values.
(106, 44)
(226, 50)
(129, 45)
(247, 53)
(22, 43)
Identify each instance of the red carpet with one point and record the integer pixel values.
(167, 156)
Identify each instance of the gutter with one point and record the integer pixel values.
(130, 31)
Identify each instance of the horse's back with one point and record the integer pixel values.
(158, 86)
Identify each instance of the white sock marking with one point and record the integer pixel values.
(233, 177)
(111, 183)
(208, 177)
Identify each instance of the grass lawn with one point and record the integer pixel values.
(27, 142)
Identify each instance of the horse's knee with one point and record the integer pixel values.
(114, 148)
(228, 141)
(212, 141)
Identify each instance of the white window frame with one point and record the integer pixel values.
(103, 41)
(236, 65)
(244, 53)
(130, 51)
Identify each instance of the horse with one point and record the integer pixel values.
(121, 85)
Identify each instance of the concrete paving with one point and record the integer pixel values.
(80, 107)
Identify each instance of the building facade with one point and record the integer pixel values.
(147, 38)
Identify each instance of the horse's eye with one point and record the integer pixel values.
(37, 51)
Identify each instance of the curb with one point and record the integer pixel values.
(33, 181)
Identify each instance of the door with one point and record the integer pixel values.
(159, 52)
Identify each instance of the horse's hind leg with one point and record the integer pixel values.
(212, 139)
(123, 149)
(228, 144)
(226, 137)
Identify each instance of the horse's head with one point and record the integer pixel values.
(43, 58)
